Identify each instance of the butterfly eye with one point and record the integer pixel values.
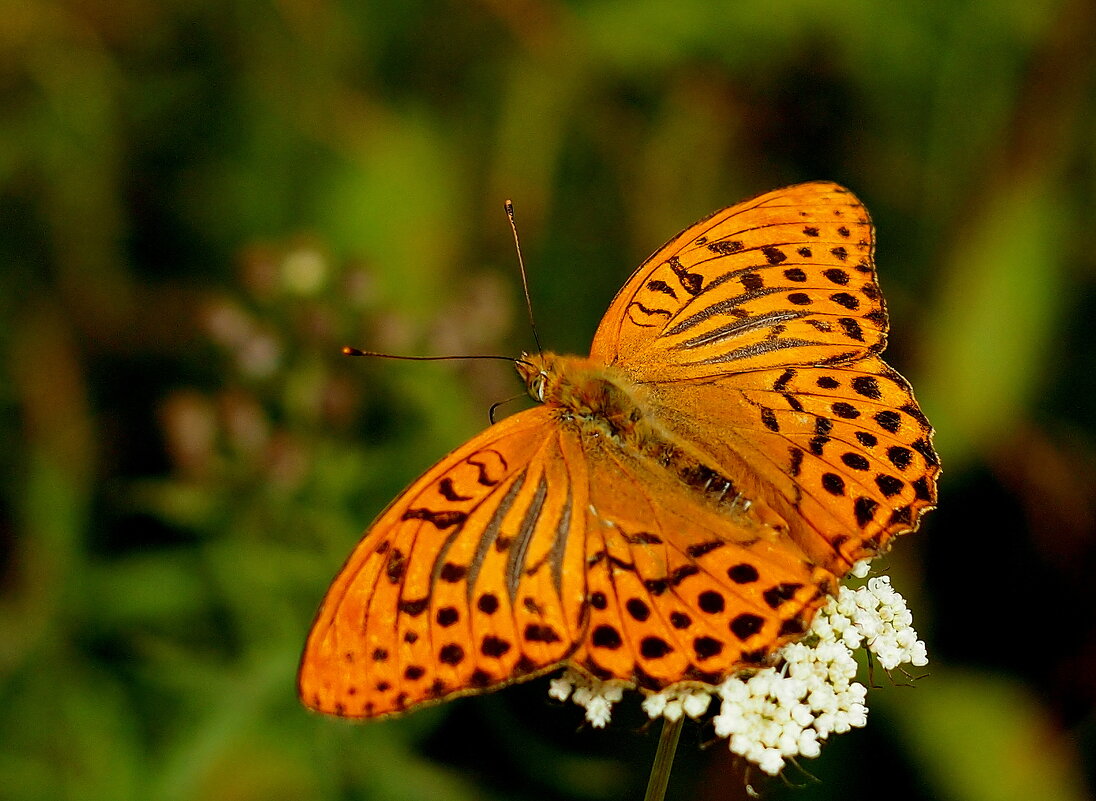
(539, 383)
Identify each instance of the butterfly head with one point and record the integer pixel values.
(536, 371)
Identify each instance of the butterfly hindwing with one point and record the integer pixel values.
(462, 584)
(680, 588)
(842, 452)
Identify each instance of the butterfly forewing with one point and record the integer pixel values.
(784, 278)
(756, 329)
(463, 583)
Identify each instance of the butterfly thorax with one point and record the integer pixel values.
(605, 403)
(593, 396)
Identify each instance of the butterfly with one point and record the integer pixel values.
(679, 503)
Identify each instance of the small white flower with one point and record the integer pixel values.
(560, 688)
(858, 715)
(654, 705)
(596, 697)
(696, 704)
(598, 712)
(673, 710)
(771, 761)
(788, 742)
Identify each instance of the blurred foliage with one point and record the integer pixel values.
(201, 201)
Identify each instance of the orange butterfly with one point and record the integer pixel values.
(682, 500)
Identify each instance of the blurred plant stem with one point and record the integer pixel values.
(664, 759)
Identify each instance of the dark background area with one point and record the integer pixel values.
(200, 202)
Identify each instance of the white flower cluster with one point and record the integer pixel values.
(773, 714)
(596, 696)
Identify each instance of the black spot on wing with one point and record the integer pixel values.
(445, 487)
(725, 248)
(781, 383)
(774, 255)
(692, 283)
(663, 287)
(441, 519)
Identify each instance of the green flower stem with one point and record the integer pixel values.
(664, 759)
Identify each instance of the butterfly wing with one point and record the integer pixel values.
(536, 544)
(679, 589)
(756, 331)
(784, 278)
(841, 452)
(464, 583)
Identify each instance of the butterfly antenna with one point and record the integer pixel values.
(521, 265)
(349, 351)
(491, 411)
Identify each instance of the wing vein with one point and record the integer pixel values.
(515, 561)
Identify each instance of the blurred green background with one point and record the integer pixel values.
(201, 201)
